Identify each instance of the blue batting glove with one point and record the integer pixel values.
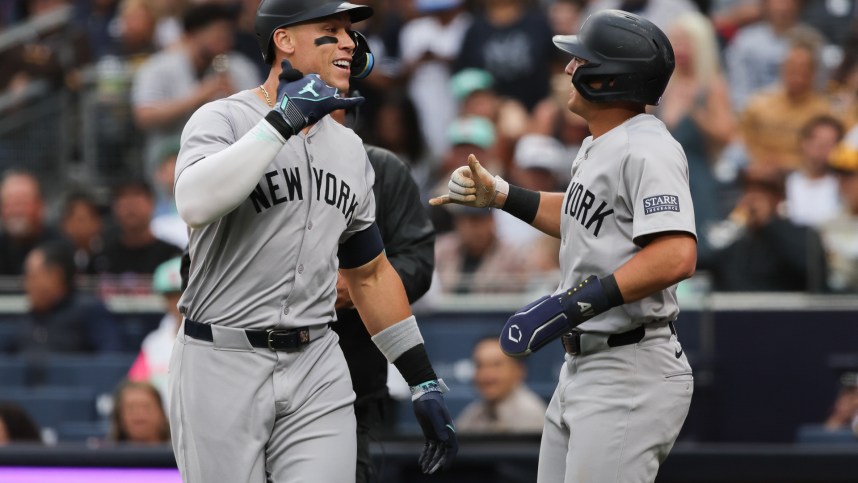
(434, 418)
(303, 100)
(538, 323)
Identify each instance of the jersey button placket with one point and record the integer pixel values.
(300, 269)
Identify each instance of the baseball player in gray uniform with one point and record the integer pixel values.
(278, 196)
(626, 227)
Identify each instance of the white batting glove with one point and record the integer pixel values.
(473, 185)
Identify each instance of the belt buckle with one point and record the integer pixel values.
(282, 339)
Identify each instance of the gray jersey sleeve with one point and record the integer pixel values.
(207, 132)
(365, 212)
(656, 182)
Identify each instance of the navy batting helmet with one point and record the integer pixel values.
(274, 14)
(628, 58)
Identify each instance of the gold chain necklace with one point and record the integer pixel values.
(267, 98)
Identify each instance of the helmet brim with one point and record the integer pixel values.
(357, 13)
(571, 45)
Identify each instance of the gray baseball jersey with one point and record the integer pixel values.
(626, 184)
(273, 260)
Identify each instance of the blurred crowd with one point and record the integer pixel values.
(764, 101)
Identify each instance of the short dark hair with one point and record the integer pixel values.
(823, 120)
(197, 17)
(79, 197)
(132, 186)
(59, 255)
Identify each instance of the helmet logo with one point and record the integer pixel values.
(309, 88)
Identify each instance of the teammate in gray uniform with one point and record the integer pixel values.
(274, 191)
(626, 227)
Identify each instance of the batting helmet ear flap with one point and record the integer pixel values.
(362, 59)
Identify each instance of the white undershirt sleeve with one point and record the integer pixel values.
(216, 184)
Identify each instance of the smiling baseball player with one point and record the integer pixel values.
(278, 197)
(626, 226)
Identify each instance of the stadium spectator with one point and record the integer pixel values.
(506, 404)
(756, 52)
(660, 12)
(473, 90)
(428, 45)
(22, 218)
(83, 227)
(845, 407)
(767, 252)
(510, 40)
(841, 233)
(151, 364)
(61, 319)
(472, 135)
(397, 129)
(134, 249)
(138, 415)
(811, 190)
(844, 81)
(173, 83)
(696, 109)
(472, 259)
(16, 426)
(166, 223)
(771, 124)
(540, 164)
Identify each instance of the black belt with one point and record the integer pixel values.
(274, 339)
(572, 340)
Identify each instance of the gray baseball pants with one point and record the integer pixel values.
(616, 412)
(242, 414)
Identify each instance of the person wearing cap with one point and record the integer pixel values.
(279, 200)
(767, 252)
(840, 235)
(428, 45)
(154, 357)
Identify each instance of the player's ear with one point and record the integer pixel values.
(284, 40)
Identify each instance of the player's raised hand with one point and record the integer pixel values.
(434, 418)
(304, 99)
(471, 185)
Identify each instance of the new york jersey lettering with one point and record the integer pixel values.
(579, 205)
(271, 191)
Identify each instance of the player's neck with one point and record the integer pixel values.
(603, 120)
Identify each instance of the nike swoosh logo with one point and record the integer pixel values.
(677, 353)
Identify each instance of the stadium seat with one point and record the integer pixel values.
(13, 371)
(82, 431)
(100, 373)
(51, 406)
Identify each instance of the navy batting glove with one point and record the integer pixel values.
(304, 99)
(538, 323)
(434, 418)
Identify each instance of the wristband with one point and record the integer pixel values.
(522, 203)
(435, 385)
(612, 290)
(415, 367)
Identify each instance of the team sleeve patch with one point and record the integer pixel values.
(361, 248)
(657, 204)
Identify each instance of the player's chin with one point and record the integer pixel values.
(340, 78)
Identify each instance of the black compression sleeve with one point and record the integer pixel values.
(414, 366)
(522, 203)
